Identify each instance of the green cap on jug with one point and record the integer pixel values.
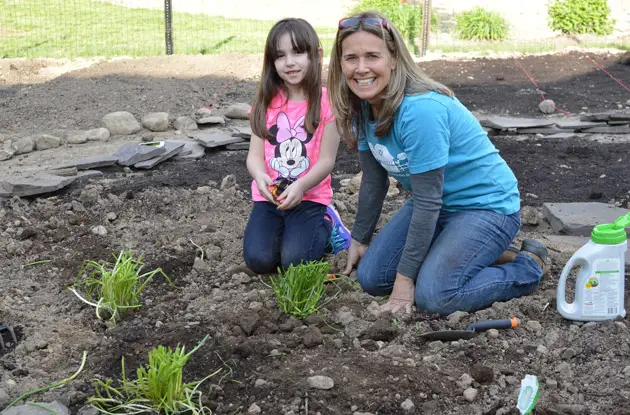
(611, 234)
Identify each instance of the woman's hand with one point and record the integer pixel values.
(355, 253)
(263, 181)
(402, 297)
(291, 197)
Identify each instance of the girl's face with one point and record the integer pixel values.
(367, 66)
(291, 65)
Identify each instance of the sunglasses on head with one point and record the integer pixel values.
(370, 21)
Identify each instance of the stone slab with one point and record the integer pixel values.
(561, 135)
(620, 117)
(618, 122)
(171, 149)
(243, 132)
(578, 125)
(92, 162)
(30, 185)
(541, 130)
(132, 153)
(578, 219)
(39, 408)
(238, 146)
(503, 123)
(191, 150)
(604, 116)
(568, 245)
(216, 139)
(609, 129)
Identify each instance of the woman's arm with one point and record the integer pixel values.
(372, 192)
(292, 196)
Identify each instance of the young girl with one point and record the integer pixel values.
(291, 155)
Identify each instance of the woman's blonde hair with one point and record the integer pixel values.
(406, 79)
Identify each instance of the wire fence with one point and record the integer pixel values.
(110, 28)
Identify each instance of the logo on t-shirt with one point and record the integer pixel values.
(396, 165)
(291, 158)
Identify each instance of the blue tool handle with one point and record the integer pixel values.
(493, 324)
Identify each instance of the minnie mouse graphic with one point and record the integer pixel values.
(291, 158)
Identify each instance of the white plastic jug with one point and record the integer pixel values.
(599, 288)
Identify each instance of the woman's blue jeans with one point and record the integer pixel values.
(276, 238)
(458, 271)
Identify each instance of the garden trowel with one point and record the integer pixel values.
(471, 330)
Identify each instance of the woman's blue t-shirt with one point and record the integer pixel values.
(432, 130)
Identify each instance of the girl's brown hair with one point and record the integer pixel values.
(406, 79)
(303, 39)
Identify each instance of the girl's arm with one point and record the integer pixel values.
(256, 167)
(292, 196)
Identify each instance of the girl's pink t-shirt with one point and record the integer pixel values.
(292, 151)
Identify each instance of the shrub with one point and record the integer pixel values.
(406, 16)
(574, 17)
(481, 24)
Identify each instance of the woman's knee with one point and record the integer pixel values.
(369, 280)
(259, 262)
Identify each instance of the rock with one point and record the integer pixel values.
(568, 353)
(578, 125)
(24, 145)
(45, 141)
(131, 154)
(98, 134)
(121, 123)
(228, 182)
(39, 408)
(184, 124)
(156, 121)
(249, 322)
(111, 216)
(241, 278)
(191, 150)
(542, 349)
(374, 309)
(99, 230)
(504, 123)
(471, 394)
(530, 216)
(215, 139)
(77, 137)
(381, 330)
(239, 111)
(29, 185)
(547, 107)
(88, 410)
(455, 318)
(312, 337)
(238, 146)
(481, 373)
(254, 409)
(609, 129)
(171, 149)
(408, 405)
(212, 120)
(465, 381)
(320, 382)
(6, 150)
(260, 383)
(431, 407)
(5, 399)
(344, 316)
(578, 219)
(534, 326)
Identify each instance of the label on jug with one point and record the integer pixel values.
(601, 290)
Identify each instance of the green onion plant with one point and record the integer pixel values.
(114, 288)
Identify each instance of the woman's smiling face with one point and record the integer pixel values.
(367, 66)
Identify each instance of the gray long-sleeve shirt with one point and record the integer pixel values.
(426, 192)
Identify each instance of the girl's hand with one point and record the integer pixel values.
(356, 251)
(291, 197)
(402, 298)
(263, 181)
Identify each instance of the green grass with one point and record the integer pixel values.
(88, 28)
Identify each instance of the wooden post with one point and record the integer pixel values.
(426, 26)
(168, 26)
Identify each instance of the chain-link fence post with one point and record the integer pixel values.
(426, 26)
(168, 26)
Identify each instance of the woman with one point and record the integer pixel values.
(439, 250)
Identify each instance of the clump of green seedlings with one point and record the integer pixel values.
(158, 387)
(300, 288)
(113, 289)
